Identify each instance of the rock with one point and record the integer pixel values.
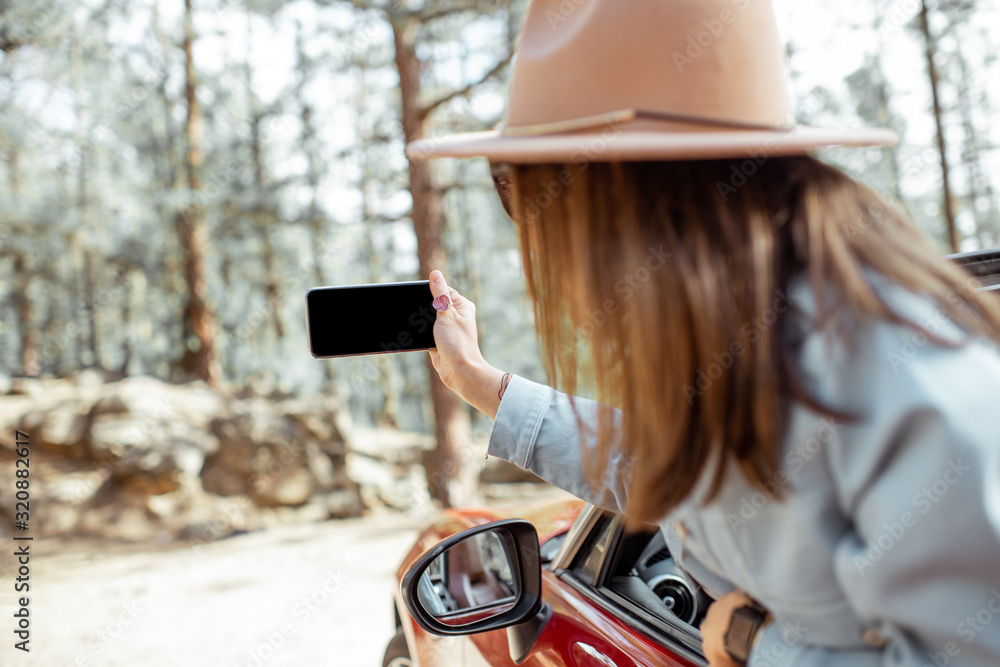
(141, 459)
(90, 378)
(147, 399)
(60, 430)
(341, 504)
(147, 471)
(399, 448)
(323, 417)
(292, 486)
(269, 456)
(227, 472)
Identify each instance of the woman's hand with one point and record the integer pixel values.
(714, 628)
(455, 334)
(457, 358)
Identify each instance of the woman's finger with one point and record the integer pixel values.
(439, 286)
(445, 296)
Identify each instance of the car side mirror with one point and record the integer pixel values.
(485, 578)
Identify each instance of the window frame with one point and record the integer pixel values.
(577, 548)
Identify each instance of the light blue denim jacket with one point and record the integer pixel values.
(886, 549)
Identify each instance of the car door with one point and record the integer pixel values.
(587, 626)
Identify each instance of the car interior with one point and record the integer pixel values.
(472, 582)
(633, 572)
(676, 594)
(470, 575)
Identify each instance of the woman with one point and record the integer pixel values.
(790, 381)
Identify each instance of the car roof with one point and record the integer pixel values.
(981, 264)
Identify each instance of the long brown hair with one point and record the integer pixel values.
(645, 274)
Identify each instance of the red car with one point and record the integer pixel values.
(562, 585)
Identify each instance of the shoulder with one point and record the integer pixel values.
(918, 403)
(883, 358)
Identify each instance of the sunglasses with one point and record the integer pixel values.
(501, 171)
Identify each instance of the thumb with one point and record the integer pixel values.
(438, 284)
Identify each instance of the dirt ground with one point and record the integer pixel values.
(317, 594)
(307, 595)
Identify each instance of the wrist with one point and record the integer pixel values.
(478, 385)
(746, 626)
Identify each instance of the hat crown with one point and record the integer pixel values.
(713, 59)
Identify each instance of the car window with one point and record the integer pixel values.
(590, 559)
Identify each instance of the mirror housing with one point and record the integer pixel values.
(525, 566)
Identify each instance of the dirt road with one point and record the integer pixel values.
(307, 595)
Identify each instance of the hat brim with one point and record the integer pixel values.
(629, 145)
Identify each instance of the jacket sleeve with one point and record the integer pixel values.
(536, 429)
(921, 561)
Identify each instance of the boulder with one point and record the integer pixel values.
(60, 429)
(273, 456)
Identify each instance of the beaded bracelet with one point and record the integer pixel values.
(504, 381)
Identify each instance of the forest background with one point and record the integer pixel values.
(175, 175)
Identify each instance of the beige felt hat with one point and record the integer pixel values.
(604, 80)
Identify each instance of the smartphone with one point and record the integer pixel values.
(380, 318)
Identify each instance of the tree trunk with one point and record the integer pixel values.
(13, 168)
(259, 216)
(949, 206)
(386, 414)
(90, 308)
(28, 334)
(125, 333)
(972, 157)
(199, 361)
(315, 220)
(449, 480)
(81, 276)
(261, 212)
(886, 115)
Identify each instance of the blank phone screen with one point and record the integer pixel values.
(370, 319)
